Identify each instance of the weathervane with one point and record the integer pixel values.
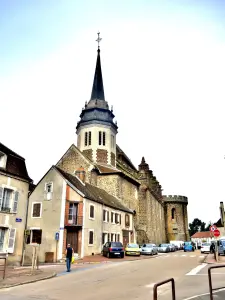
(98, 39)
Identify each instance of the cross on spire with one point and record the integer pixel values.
(98, 40)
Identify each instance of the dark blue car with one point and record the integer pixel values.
(113, 249)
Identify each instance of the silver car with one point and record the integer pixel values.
(149, 249)
(163, 248)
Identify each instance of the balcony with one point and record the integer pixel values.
(74, 221)
(4, 220)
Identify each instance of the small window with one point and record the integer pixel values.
(112, 237)
(89, 138)
(100, 138)
(103, 139)
(112, 217)
(105, 216)
(2, 236)
(49, 187)
(92, 212)
(127, 220)
(91, 237)
(173, 213)
(36, 236)
(36, 210)
(3, 159)
(86, 139)
(117, 218)
(5, 199)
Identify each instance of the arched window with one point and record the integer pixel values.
(173, 213)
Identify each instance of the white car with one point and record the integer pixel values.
(205, 247)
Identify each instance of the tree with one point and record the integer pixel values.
(196, 225)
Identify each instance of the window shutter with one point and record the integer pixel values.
(12, 237)
(1, 196)
(15, 203)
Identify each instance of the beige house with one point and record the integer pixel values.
(63, 209)
(14, 189)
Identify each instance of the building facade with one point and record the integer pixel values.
(63, 209)
(14, 188)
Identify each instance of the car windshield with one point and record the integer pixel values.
(187, 243)
(132, 246)
(149, 245)
(164, 245)
(206, 244)
(116, 245)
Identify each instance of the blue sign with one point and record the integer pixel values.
(18, 220)
(57, 236)
(61, 228)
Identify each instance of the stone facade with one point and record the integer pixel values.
(102, 156)
(176, 217)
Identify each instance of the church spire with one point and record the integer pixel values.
(98, 89)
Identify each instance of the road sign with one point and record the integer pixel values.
(216, 233)
(213, 228)
(18, 220)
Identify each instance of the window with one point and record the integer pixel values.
(92, 212)
(12, 238)
(72, 217)
(112, 237)
(34, 237)
(118, 238)
(91, 237)
(89, 138)
(104, 238)
(48, 190)
(112, 217)
(103, 139)
(2, 236)
(173, 213)
(100, 138)
(108, 237)
(127, 220)
(86, 139)
(36, 210)
(3, 159)
(8, 199)
(105, 215)
(117, 218)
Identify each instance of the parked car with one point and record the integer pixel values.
(133, 249)
(171, 247)
(188, 246)
(163, 248)
(175, 247)
(221, 247)
(113, 249)
(149, 249)
(205, 247)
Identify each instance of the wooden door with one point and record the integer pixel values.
(125, 238)
(72, 239)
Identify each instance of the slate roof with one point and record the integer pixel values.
(119, 151)
(218, 223)
(107, 169)
(15, 164)
(94, 193)
(202, 235)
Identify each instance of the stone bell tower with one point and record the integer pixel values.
(96, 130)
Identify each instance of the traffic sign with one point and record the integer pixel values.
(213, 228)
(216, 233)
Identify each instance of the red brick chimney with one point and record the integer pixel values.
(80, 173)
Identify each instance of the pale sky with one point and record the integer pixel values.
(163, 65)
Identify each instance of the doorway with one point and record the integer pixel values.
(72, 239)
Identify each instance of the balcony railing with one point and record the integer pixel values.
(75, 220)
(5, 209)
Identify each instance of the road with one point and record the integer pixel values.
(123, 280)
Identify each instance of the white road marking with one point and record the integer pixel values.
(193, 256)
(183, 255)
(196, 270)
(200, 295)
(150, 285)
(201, 256)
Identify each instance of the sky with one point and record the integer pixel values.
(163, 68)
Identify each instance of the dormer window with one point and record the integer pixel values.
(3, 159)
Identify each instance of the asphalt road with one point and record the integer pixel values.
(123, 280)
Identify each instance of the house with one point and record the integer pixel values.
(64, 208)
(202, 237)
(14, 188)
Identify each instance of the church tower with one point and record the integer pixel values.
(96, 130)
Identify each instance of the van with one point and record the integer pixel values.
(221, 247)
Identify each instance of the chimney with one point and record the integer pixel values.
(80, 173)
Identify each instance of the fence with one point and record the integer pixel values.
(210, 280)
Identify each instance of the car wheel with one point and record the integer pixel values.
(122, 255)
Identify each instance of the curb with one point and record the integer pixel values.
(29, 281)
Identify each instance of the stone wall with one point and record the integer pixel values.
(177, 225)
(102, 156)
(73, 160)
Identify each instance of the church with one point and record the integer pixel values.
(98, 170)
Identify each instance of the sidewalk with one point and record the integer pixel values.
(211, 260)
(21, 276)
